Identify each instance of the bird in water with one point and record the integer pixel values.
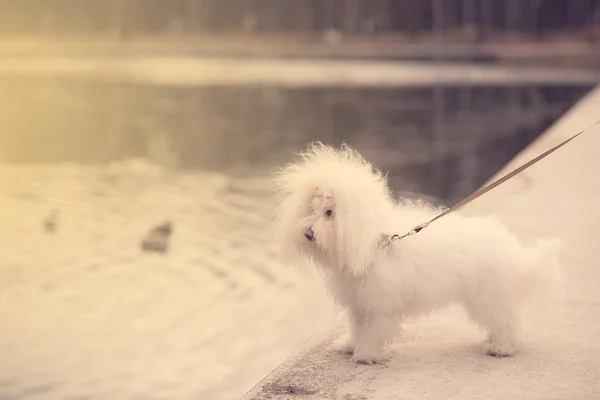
(51, 221)
(157, 240)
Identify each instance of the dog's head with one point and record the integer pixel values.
(332, 205)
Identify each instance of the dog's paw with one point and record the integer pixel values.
(348, 348)
(500, 349)
(368, 357)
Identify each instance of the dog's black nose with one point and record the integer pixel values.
(309, 234)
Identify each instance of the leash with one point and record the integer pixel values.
(387, 239)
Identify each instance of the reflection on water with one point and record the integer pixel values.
(224, 128)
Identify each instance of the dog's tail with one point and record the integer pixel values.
(545, 283)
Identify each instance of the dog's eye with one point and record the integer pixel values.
(329, 213)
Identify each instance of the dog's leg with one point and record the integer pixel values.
(373, 333)
(356, 319)
(502, 324)
(502, 341)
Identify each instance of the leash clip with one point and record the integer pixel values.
(387, 239)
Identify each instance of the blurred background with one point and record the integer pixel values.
(136, 142)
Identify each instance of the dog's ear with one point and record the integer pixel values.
(357, 230)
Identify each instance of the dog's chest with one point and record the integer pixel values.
(349, 291)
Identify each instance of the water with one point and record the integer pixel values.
(84, 313)
(240, 127)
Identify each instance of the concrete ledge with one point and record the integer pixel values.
(551, 50)
(192, 71)
(440, 357)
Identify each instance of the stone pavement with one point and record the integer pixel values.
(85, 314)
(441, 356)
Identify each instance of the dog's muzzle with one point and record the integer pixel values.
(309, 235)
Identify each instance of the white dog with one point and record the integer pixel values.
(334, 207)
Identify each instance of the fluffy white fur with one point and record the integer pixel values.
(476, 262)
